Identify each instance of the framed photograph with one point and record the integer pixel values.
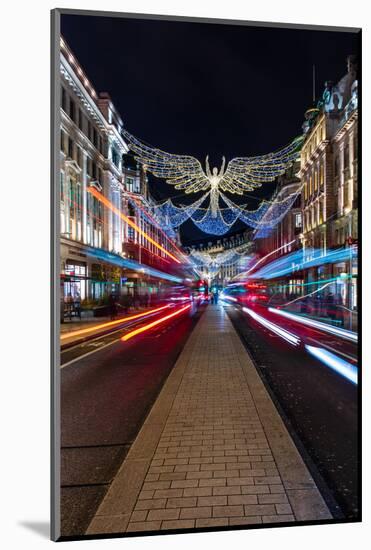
(205, 293)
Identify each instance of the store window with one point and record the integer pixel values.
(75, 286)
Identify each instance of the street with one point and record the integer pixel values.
(105, 398)
(107, 394)
(318, 405)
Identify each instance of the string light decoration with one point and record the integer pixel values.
(241, 175)
(186, 173)
(264, 218)
(226, 257)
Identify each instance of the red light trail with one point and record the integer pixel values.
(153, 324)
(130, 222)
(112, 323)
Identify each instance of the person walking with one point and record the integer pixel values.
(112, 306)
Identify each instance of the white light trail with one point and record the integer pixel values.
(285, 334)
(341, 332)
(263, 258)
(345, 369)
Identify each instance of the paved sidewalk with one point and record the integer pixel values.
(213, 451)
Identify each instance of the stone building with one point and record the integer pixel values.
(329, 176)
(101, 251)
(285, 237)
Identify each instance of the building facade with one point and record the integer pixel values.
(110, 243)
(322, 224)
(220, 261)
(329, 162)
(286, 237)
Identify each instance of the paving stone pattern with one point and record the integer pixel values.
(213, 451)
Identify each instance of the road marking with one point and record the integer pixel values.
(88, 353)
(101, 347)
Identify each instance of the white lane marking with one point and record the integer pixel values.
(95, 350)
(89, 353)
(83, 342)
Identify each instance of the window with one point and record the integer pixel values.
(355, 147)
(62, 187)
(298, 220)
(346, 157)
(316, 180)
(70, 147)
(89, 166)
(94, 170)
(72, 198)
(115, 157)
(81, 120)
(321, 174)
(321, 212)
(64, 100)
(129, 184)
(79, 156)
(336, 167)
(72, 110)
(63, 141)
(95, 138)
(89, 129)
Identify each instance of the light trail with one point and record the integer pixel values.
(345, 369)
(137, 202)
(130, 222)
(285, 334)
(305, 295)
(245, 273)
(153, 324)
(343, 333)
(231, 298)
(112, 323)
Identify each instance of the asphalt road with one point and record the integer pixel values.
(107, 390)
(318, 405)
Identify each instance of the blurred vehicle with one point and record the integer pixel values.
(246, 293)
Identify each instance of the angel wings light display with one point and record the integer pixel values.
(185, 172)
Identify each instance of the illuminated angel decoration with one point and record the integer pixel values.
(186, 173)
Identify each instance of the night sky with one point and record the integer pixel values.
(198, 89)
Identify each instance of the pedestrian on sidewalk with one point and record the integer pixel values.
(112, 306)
